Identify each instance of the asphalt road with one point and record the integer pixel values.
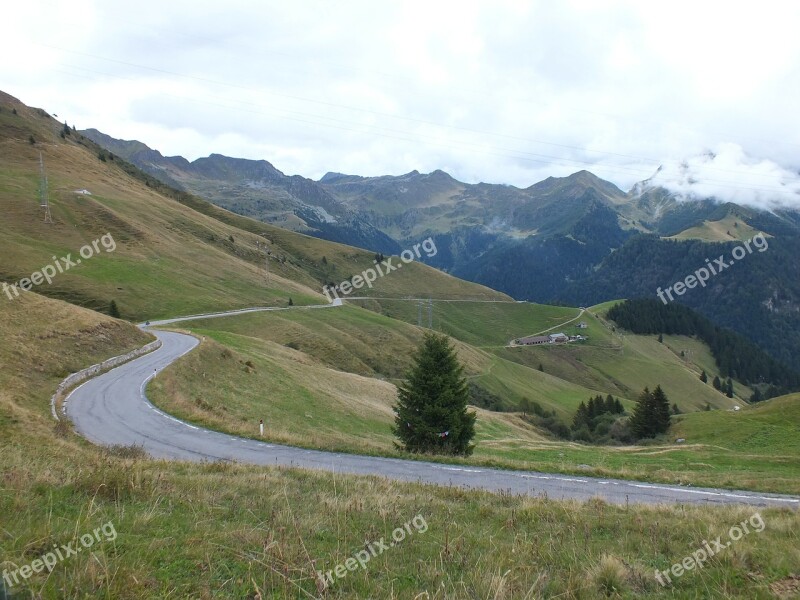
(112, 409)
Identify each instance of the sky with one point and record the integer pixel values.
(503, 92)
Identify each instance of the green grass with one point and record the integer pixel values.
(766, 428)
(175, 254)
(236, 531)
(731, 228)
(228, 531)
(608, 362)
(480, 324)
(306, 399)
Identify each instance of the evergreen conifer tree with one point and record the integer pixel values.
(431, 411)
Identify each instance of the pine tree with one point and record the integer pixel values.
(618, 408)
(592, 408)
(660, 410)
(581, 418)
(431, 411)
(651, 415)
(610, 406)
(113, 309)
(704, 377)
(717, 383)
(642, 415)
(729, 388)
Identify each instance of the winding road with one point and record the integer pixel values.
(112, 409)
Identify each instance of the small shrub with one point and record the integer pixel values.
(114, 480)
(203, 404)
(62, 429)
(609, 575)
(132, 452)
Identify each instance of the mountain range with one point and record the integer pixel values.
(574, 240)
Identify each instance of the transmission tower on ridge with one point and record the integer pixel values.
(43, 193)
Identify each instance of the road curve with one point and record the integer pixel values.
(112, 409)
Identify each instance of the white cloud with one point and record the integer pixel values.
(727, 173)
(507, 92)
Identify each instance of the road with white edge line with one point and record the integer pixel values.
(112, 409)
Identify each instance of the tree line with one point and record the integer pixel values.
(736, 357)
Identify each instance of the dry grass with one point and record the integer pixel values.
(232, 531)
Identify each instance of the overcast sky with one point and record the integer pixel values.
(503, 92)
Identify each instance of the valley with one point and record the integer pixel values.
(326, 380)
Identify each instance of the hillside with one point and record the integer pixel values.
(173, 253)
(224, 530)
(255, 189)
(578, 240)
(727, 229)
(323, 378)
(177, 254)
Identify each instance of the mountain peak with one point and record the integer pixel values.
(331, 176)
(439, 174)
(580, 180)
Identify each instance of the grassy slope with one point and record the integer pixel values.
(335, 392)
(608, 362)
(768, 428)
(729, 229)
(227, 531)
(172, 260)
(171, 257)
(234, 531)
(477, 323)
(48, 340)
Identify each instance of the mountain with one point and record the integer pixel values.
(573, 240)
(580, 240)
(174, 253)
(326, 379)
(254, 188)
